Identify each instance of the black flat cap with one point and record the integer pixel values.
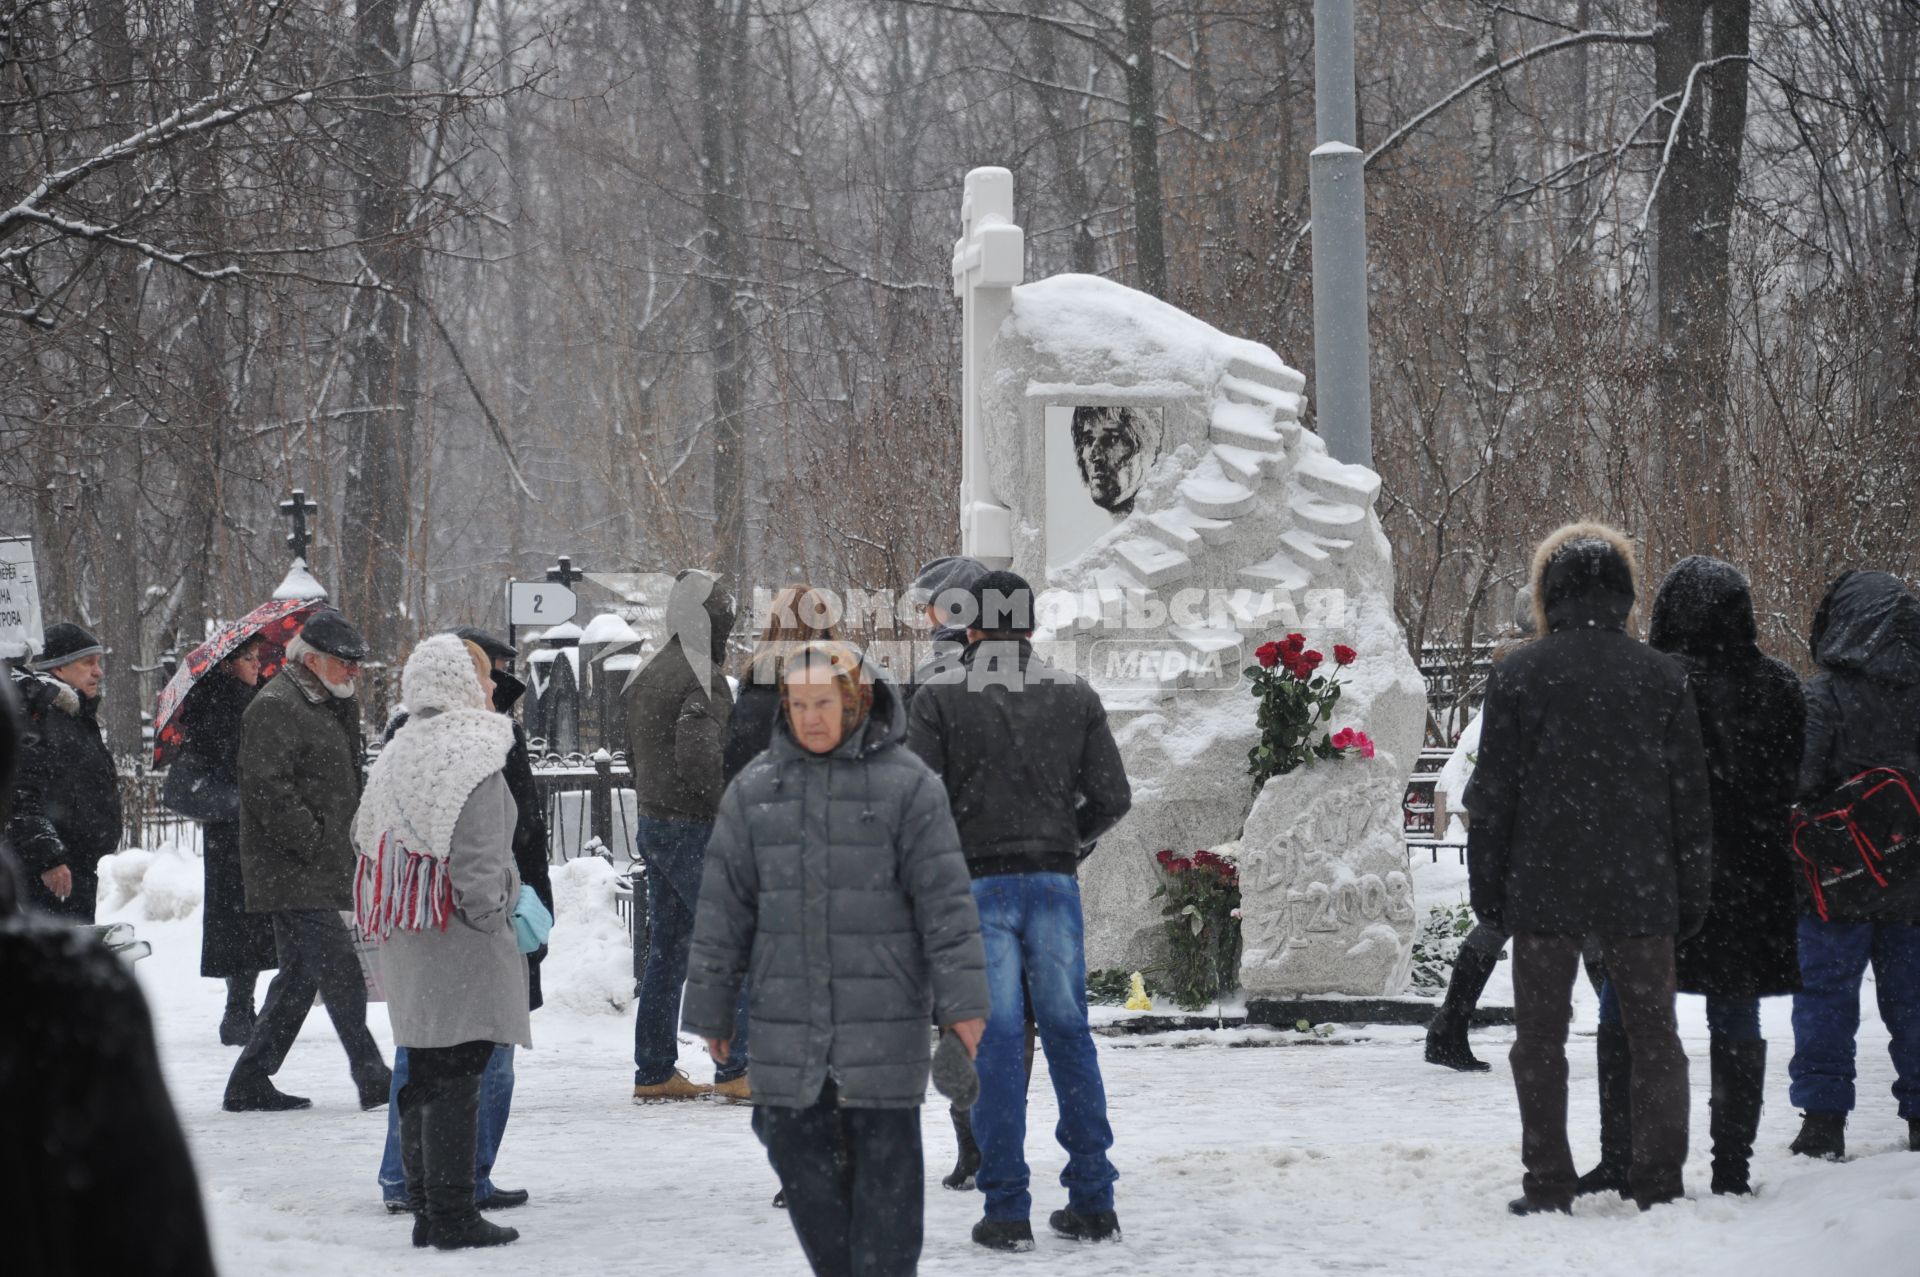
(328, 631)
(496, 648)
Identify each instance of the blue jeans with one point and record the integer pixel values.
(1737, 1019)
(1031, 925)
(675, 852)
(496, 1102)
(1826, 1011)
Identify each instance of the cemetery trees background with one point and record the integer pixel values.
(656, 283)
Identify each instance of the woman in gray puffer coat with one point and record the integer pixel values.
(834, 877)
(436, 883)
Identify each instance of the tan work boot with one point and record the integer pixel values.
(677, 1087)
(738, 1091)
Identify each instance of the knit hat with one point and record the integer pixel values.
(67, 643)
(333, 634)
(947, 583)
(850, 676)
(1005, 603)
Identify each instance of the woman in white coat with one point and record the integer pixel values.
(436, 883)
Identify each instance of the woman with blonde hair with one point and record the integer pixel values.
(437, 885)
(800, 615)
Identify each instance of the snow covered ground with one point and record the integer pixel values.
(1240, 1152)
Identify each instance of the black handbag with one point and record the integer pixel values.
(194, 791)
(1856, 844)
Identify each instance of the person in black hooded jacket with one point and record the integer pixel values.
(1590, 818)
(1752, 720)
(1863, 711)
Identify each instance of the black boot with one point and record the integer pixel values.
(1822, 1135)
(1012, 1235)
(446, 1137)
(236, 1025)
(413, 1157)
(374, 1087)
(1616, 1115)
(256, 1093)
(1447, 1031)
(968, 1164)
(1739, 1082)
(1101, 1226)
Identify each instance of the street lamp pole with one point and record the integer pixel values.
(1343, 399)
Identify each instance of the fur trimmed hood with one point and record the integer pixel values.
(1584, 574)
(39, 691)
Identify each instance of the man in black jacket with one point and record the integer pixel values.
(67, 798)
(677, 707)
(1591, 817)
(1033, 775)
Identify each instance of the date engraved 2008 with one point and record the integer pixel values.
(1317, 907)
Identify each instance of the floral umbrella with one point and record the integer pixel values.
(274, 623)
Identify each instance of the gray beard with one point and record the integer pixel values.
(338, 691)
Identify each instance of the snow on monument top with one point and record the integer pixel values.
(1093, 326)
(299, 583)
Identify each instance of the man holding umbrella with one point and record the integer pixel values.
(300, 779)
(197, 733)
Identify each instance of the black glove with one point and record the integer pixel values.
(1492, 918)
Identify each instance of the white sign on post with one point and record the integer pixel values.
(539, 603)
(20, 624)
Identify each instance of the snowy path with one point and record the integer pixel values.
(1302, 1157)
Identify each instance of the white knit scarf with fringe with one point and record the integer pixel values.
(404, 828)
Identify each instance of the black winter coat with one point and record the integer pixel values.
(233, 942)
(1752, 721)
(676, 727)
(1863, 707)
(67, 795)
(93, 1165)
(943, 646)
(302, 765)
(1589, 801)
(1030, 766)
(756, 712)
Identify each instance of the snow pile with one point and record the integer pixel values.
(1093, 326)
(589, 964)
(157, 886)
(300, 583)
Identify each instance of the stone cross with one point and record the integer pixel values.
(988, 260)
(297, 507)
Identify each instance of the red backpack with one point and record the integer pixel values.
(1858, 842)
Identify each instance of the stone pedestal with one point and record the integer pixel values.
(1325, 895)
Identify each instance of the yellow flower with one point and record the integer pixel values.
(1137, 999)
